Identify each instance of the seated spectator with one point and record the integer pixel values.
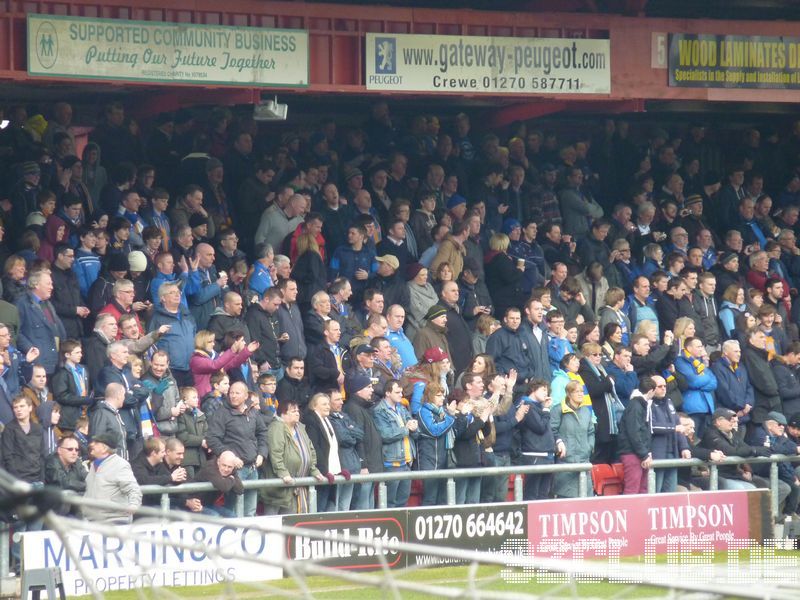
(221, 473)
(721, 436)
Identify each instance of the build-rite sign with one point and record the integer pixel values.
(734, 61)
(496, 65)
(148, 556)
(166, 52)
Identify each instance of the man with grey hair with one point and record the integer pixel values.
(96, 345)
(314, 320)
(734, 390)
(117, 370)
(276, 222)
(40, 327)
(283, 267)
(106, 420)
(121, 303)
(178, 342)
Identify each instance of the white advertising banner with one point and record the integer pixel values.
(139, 559)
(122, 50)
(494, 65)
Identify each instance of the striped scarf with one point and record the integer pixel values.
(697, 364)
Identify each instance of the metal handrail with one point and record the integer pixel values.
(381, 478)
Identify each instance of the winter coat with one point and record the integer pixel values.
(265, 328)
(23, 453)
(467, 446)
(430, 336)
(452, 252)
(598, 386)
(459, 339)
(636, 428)
(730, 445)
(372, 443)
(788, 380)
(576, 208)
(244, 433)
(203, 367)
(765, 387)
(112, 481)
(36, 330)
(392, 433)
(593, 291)
(624, 382)
(66, 299)
(434, 425)
(734, 389)
(349, 436)
(205, 300)
(311, 276)
(536, 353)
(65, 393)
(95, 349)
(178, 342)
(106, 420)
(509, 349)
(536, 436)
(709, 315)
(664, 420)
(323, 372)
(292, 323)
(699, 398)
(576, 430)
(192, 430)
(422, 298)
(221, 323)
(504, 281)
(285, 459)
(164, 397)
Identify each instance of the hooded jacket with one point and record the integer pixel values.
(636, 427)
(178, 342)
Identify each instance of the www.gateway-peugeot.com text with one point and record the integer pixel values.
(503, 58)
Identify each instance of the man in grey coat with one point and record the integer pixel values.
(111, 480)
(576, 207)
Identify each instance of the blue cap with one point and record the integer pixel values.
(510, 224)
(455, 200)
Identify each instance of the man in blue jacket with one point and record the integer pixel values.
(698, 400)
(508, 348)
(178, 342)
(40, 326)
(734, 389)
(399, 433)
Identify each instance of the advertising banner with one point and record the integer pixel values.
(122, 563)
(493, 528)
(495, 65)
(122, 50)
(341, 530)
(734, 61)
(614, 526)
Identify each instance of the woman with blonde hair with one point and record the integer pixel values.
(205, 361)
(503, 275)
(573, 425)
(733, 304)
(309, 271)
(684, 328)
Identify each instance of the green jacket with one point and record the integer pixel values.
(284, 459)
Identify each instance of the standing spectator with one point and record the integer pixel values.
(164, 394)
(636, 434)
(459, 336)
(111, 480)
(359, 406)
(605, 402)
(262, 321)
(668, 441)
(122, 303)
(698, 400)
(573, 428)
(204, 301)
(349, 437)
(291, 322)
(534, 336)
(577, 208)
(227, 318)
(434, 333)
(435, 442)
(22, 442)
(179, 340)
(422, 298)
(756, 358)
(235, 428)
(471, 428)
(734, 390)
(321, 433)
(40, 326)
(67, 297)
(292, 455)
(71, 386)
(395, 318)
(192, 431)
(537, 444)
(399, 433)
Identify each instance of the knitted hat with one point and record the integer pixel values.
(694, 199)
(728, 257)
(437, 310)
(118, 262)
(196, 220)
(350, 173)
(510, 225)
(137, 261)
(455, 200)
(213, 163)
(413, 270)
(355, 383)
(30, 167)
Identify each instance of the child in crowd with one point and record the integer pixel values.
(192, 427)
(220, 384)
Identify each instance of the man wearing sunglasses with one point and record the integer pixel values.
(64, 469)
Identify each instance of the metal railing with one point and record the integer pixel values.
(582, 469)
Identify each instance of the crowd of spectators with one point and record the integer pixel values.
(215, 302)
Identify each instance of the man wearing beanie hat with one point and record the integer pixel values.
(100, 293)
(457, 207)
(434, 333)
(359, 407)
(199, 225)
(727, 273)
(24, 194)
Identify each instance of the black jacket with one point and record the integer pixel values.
(297, 391)
(635, 435)
(598, 387)
(323, 372)
(765, 387)
(23, 453)
(243, 433)
(94, 356)
(372, 443)
(265, 328)
(103, 419)
(316, 433)
(466, 448)
(221, 323)
(311, 276)
(535, 433)
(459, 338)
(65, 392)
(210, 473)
(730, 445)
(504, 281)
(66, 299)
